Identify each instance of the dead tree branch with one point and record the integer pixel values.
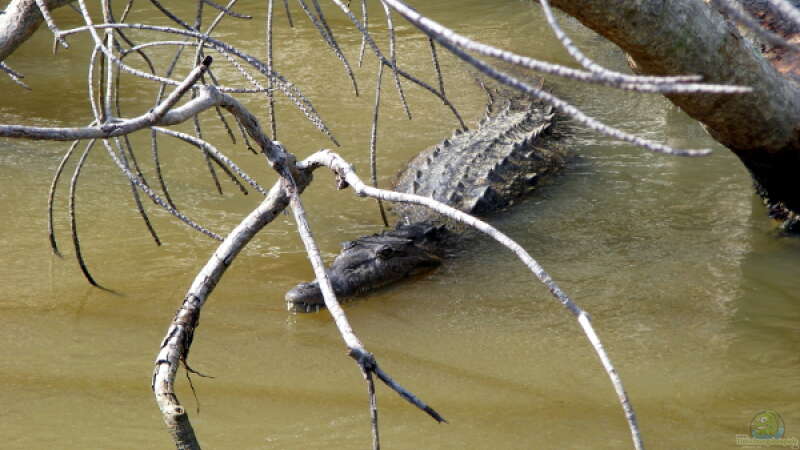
(348, 177)
(22, 17)
(457, 44)
(175, 347)
(20, 20)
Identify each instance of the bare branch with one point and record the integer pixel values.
(436, 67)
(402, 73)
(327, 36)
(176, 345)
(557, 103)
(73, 218)
(373, 409)
(226, 10)
(15, 76)
(339, 317)
(52, 194)
(45, 10)
(373, 141)
(576, 54)
(273, 126)
(157, 115)
(215, 155)
(20, 20)
(443, 34)
(393, 59)
(365, 359)
(158, 112)
(288, 13)
(365, 19)
(136, 198)
(157, 199)
(348, 176)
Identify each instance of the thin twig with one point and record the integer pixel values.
(348, 177)
(159, 172)
(393, 59)
(332, 40)
(73, 218)
(288, 13)
(670, 84)
(15, 76)
(50, 22)
(564, 107)
(245, 138)
(136, 198)
(327, 35)
(211, 43)
(402, 73)
(570, 110)
(166, 12)
(223, 161)
(373, 141)
(273, 126)
(436, 67)
(224, 121)
(158, 200)
(52, 194)
(373, 409)
(227, 10)
(199, 134)
(573, 51)
(365, 20)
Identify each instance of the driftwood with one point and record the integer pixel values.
(110, 128)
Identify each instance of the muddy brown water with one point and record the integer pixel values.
(692, 290)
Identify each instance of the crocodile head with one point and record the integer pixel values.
(374, 261)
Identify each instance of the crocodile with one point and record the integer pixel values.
(479, 171)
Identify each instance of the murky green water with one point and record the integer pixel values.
(693, 292)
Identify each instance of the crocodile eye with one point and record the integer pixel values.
(385, 252)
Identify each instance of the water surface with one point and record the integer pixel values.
(690, 287)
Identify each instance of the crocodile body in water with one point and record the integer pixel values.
(478, 171)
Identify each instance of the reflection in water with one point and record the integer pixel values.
(693, 294)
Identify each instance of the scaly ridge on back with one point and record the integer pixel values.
(483, 169)
(477, 171)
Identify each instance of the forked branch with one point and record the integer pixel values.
(348, 177)
(176, 345)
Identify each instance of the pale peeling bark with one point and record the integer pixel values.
(21, 19)
(665, 37)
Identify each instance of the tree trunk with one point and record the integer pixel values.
(666, 37)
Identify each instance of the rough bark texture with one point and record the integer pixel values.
(667, 37)
(21, 19)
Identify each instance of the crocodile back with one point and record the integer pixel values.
(487, 168)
